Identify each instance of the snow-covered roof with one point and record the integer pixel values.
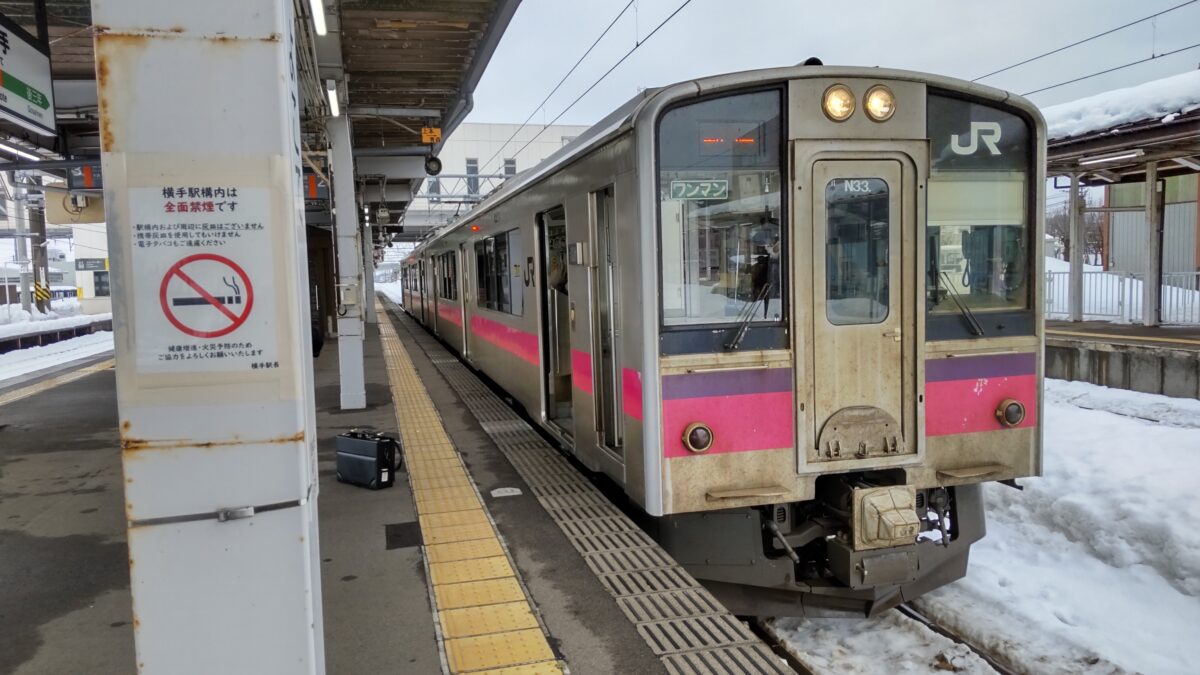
(1163, 99)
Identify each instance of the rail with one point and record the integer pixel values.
(1117, 296)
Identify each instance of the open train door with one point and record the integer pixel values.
(554, 303)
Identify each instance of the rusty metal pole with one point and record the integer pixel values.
(1152, 281)
(200, 131)
(41, 263)
(1078, 251)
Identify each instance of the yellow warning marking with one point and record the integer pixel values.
(540, 668)
(1106, 337)
(463, 550)
(472, 621)
(486, 620)
(44, 385)
(473, 569)
(495, 650)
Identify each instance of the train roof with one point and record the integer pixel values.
(649, 101)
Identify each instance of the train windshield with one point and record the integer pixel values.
(719, 197)
(978, 210)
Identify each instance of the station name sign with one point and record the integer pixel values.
(26, 86)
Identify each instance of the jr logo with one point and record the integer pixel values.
(988, 132)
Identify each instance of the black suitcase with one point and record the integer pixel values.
(366, 458)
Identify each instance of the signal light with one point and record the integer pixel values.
(474, 228)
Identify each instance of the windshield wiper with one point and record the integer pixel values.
(746, 316)
(968, 315)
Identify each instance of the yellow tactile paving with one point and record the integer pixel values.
(542, 668)
(496, 650)
(38, 387)
(476, 593)
(472, 621)
(463, 550)
(472, 569)
(487, 622)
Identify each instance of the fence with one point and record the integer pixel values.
(1117, 296)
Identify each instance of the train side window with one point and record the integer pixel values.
(448, 266)
(495, 272)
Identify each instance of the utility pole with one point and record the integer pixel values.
(18, 213)
(41, 263)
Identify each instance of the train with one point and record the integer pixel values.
(793, 313)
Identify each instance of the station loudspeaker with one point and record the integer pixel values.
(433, 166)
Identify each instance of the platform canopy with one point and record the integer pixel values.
(1111, 136)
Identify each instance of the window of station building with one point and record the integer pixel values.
(499, 277)
(472, 176)
(100, 284)
(448, 266)
(510, 167)
(720, 205)
(435, 188)
(978, 235)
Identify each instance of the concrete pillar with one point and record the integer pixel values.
(41, 263)
(200, 127)
(369, 275)
(1152, 281)
(1078, 251)
(348, 244)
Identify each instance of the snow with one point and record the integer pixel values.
(1115, 296)
(32, 359)
(64, 313)
(1093, 568)
(1155, 99)
(393, 290)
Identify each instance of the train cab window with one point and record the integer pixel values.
(720, 205)
(856, 250)
(978, 229)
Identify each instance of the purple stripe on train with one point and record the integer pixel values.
(975, 367)
(727, 383)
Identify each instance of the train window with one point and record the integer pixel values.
(978, 209)
(856, 250)
(448, 266)
(720, 174)
(497, 264)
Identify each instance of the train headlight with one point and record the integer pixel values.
(839, 103)
(697, 437)
(879, 103)
(1010, 412)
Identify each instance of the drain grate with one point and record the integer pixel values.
(680, 621)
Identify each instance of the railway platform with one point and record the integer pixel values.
(491, 554)
(1155, 360)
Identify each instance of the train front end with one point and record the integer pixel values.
(848, 330)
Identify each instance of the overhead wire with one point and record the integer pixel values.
(541, 105)
(1087, 39)
(1113, 69)
(607, 73)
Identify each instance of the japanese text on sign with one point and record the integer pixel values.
(699, 189)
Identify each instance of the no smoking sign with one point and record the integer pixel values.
(206, 295)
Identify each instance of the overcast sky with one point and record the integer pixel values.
(960, 38)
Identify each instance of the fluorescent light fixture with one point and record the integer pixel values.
(331, 90)
(318, 12)
(19, 152)
(1189, 163)
(1113, 158)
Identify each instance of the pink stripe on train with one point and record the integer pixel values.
(631, 393)
(516, 342)
(740, 422)
(450, 313)
(581, 371)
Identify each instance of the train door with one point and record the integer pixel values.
(556, 320)
(857, 305)
(461, 280)
(436, 273)
(422, 291)
(604, 323)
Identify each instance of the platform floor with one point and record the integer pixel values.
(1185, 338)
(64, 580)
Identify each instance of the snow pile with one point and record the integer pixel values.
(891, 643)
(1177, 412)
(32, 359)
(1098, 562)
(64, 313)
(393, 290)
(1163, 99)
